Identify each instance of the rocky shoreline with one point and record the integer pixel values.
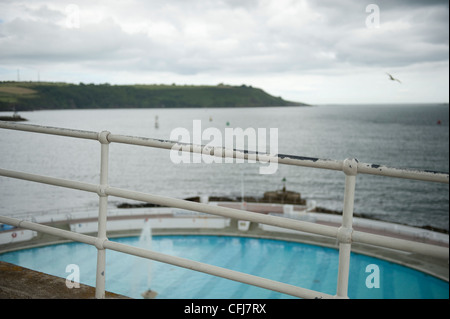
(14, 118)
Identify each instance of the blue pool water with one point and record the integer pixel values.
(298, 264)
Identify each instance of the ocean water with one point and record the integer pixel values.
(403, 136)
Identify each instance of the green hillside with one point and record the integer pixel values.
(41, 95)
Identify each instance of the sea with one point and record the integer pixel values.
(414, 136)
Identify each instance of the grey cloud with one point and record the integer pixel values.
(44, 13)
(33, 39)
(236, 37)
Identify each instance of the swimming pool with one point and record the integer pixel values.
(304, 265)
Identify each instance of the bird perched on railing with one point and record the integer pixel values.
(392, 78)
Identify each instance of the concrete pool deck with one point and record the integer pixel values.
(22, 283)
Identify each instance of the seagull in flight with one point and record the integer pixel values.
(393, 79)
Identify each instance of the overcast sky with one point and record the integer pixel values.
(313, 51)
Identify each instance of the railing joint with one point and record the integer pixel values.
(100, 243)
(350, 166)
(344, 235)
(103, 137)
(102, 189)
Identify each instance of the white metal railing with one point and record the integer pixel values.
(344, 234)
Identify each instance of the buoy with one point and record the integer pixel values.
(228, 123)
(439, 122)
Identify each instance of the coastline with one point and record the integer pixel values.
(14, 118)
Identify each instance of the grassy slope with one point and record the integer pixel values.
(33, 95)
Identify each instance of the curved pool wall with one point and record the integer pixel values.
(305, 265)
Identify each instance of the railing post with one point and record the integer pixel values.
(102, 216)
(345, 231)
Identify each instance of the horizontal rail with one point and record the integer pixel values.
(177, 203)
(303, 226)
(298, 225)
(224, 152)
(49, 130)
(219, 271)
(329, 231)
(82, 186)
(414, 174)
(173, 260)
(362, 168)
(400, 244)
(48, 230)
